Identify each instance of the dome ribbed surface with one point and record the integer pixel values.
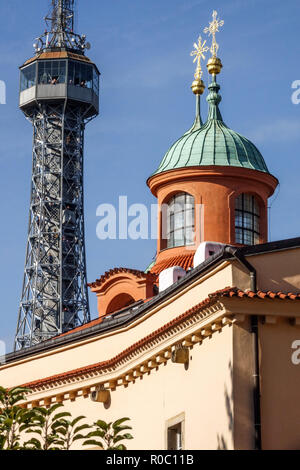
(213, 144)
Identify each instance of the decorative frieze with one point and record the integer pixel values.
(207, 323)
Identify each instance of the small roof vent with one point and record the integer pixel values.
(205, 250)
(169, 276)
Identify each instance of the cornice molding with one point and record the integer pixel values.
(191, 327)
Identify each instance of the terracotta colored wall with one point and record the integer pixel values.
(121, 289)
(215, 188)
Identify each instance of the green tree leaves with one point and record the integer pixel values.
(52, 428)
(13, 418)
(44, 425)
(109, 434)
(70, 431)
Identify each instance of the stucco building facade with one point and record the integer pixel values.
(202, 349)
(214, 396)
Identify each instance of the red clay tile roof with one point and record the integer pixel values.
(227, 292)
(132, 348)
(82, 327)
(234, 292)
(96, 321)
(184, 261)
(212, 298)
(112, 272)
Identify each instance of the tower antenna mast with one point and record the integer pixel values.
(62, 16)
(59, 32)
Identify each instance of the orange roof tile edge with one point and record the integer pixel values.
(227, 292)
(184, 261)
(85, 326)
(94, 322)
(112, 272)
(260, 294)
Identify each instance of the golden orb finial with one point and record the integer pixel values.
(198, 86)
(214, 65)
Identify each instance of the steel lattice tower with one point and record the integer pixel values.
(59, 94)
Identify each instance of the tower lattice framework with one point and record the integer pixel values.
(54, 295)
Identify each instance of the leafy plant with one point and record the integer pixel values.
(109, 434)
(45, 425)
(51, 428)
(70, 431)
(13, 419)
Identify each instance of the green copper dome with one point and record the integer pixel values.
(212, 143)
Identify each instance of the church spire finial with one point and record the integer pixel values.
(212, 29)
(198, 86)
(198, 52)
(214, 99)
(214, 65)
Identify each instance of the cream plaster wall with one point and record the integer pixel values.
(280, 386)
(216, 415)
(203, 393)
(242, 376)
(108, 345)
(278, 271)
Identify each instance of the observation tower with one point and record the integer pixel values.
(59, 95)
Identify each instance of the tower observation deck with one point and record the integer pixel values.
(59, 95)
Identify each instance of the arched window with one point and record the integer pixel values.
(180, 220)
(246, 220)
(119, 302)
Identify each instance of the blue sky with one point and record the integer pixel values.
(142, 50)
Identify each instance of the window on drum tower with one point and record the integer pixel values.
(180, 220)
(247, 213)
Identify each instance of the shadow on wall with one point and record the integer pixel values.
(228, 397)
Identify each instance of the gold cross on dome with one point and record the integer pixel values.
(200, 48)
(212, 29)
